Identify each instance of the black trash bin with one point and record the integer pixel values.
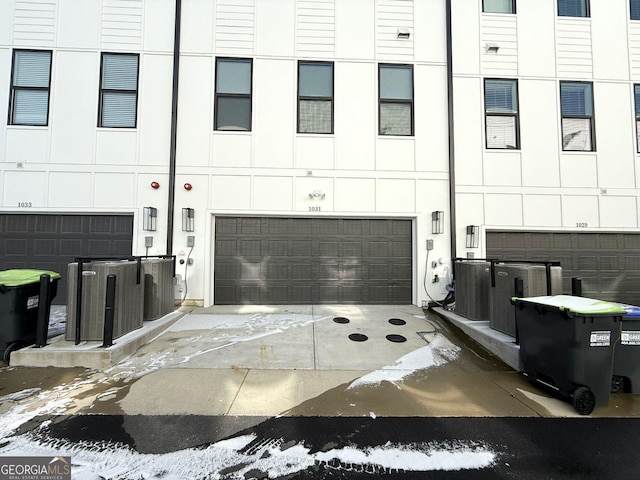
(626, 361)
(567, 345)
(19, 303)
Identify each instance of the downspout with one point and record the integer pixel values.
(174, 128)
(452, 161)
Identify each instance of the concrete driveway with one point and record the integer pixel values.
(329, 360)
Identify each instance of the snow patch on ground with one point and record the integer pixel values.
(221, 331)
(255, 323)
(235, 457)
(57, 321)
(50, 402)
(438, 352)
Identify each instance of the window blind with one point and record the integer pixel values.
(119, 91)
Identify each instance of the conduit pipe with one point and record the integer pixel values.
(174, 127)
(452, 162)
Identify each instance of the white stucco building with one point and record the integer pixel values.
(313, 140)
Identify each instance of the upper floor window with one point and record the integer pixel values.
(315, 97)
(499, 6)
(233, 94)
(395, 112)
(635, 9)
(573, 8)
(118, 91)
(501, 113)
(30, 84)
(636, 94)
(576, 105)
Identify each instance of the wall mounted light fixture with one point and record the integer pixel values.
(187, 219)
(403, 33)
(473, 236)
(317, 194)
(437, 222)
(149, 217)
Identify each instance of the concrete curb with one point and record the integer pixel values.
(501, 345)
(65, 354)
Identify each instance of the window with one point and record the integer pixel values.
(576, 105)
(118, 91)
(636, 94)
(573, 8)
(233, 94)
(30, 82)
(501, 113)
(395, 112)
(635, 9)
(499, 6)
(315, 97)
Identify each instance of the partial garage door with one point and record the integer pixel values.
(608, 263)
(312, 260)
(51, 242)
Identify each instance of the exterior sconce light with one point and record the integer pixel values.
(473, 236)
(403, 33)
(437, 222)
(149, 217)
(317, 194)
(492, 47)
(187, 220)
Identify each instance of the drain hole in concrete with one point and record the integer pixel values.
(396, 338)
(397, 321)
(358, 337)
(341, 320)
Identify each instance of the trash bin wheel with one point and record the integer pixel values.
(583, 400)
(12, 347)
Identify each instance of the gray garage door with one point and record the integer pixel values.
(608, 263)
(51, 242)
(312, 260)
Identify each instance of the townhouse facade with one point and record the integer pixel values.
(325, 151)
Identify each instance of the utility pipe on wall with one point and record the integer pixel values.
(174, 128)
(452, 162)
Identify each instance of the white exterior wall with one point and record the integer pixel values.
(73, 166)
(539, 186)
(272, 169)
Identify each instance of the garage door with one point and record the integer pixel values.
(608, 263)
(312, 260)
(51, 242)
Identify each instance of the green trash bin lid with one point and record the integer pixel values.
(19, 277)
(579, 305)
